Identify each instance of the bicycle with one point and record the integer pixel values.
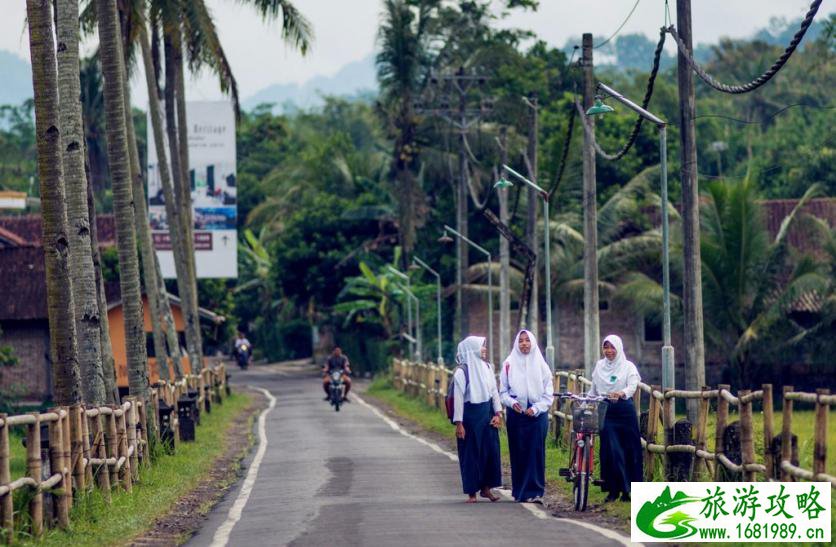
(586, 420)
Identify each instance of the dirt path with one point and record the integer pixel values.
(190, 511)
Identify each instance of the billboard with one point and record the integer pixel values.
(212, 180)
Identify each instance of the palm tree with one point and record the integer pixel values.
(401, 68)
(110, 50)
(750, 280)
(65, 373)
(87, 312)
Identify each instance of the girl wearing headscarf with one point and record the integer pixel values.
(617, 379)
(476, 413)
(527, 389)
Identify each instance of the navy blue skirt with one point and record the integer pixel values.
(527, 447)
(479, 451)
(621, 449)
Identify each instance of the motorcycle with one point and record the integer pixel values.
(242, 355)
(336, 389)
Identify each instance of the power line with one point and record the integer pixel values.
(768, 118)
(763, 78)
(621, 26)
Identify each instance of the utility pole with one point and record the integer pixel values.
(453, 101)
(692, 279)
(591, 328)
(531, 220)
(504, 256)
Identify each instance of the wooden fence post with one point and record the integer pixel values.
(820, 446)
(747, 445)
(6, 500)
(767, 430)
(720, 429)
(100, 452)
(85, 449)
(77, 445)
(56, 464)
(112, 445)
(701, 464)
(130, 424)
(667, 425)
(33, 470)
(786, 434)
(652, 428)
(66, 454)
(125, 472)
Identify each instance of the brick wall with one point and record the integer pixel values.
(30, 378)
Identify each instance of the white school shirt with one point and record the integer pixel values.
(625, 378)
(532, 386)
(477, 392)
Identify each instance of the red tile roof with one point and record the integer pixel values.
(28, 228)
(23, 289)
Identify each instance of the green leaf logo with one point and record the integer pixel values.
(680, 521)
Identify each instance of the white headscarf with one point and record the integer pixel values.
(526, 377)
(616, 375)
(481, 381)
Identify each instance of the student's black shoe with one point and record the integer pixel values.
(346, 400)
(327, 398)
(611, 497)
(625, 497)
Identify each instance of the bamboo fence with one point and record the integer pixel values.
(100, 447)
(775, 461)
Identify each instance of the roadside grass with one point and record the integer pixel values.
(93, 522)
(557, 455)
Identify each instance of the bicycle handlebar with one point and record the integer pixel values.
(576, 397)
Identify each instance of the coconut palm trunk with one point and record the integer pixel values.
(143, 230)
(65, 373)
(168, 323)
(110, 51)
(185, 195)
(172, 211)
(87, 312)
(182, 198)
(108, 362)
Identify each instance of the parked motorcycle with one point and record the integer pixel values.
(242, 355)
(336, 389)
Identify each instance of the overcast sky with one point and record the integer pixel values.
(345, 31)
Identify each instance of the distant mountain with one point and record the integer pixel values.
(17, 78)
(351, 80)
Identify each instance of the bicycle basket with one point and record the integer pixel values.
(587, 416)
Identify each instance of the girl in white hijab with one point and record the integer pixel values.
(527, 389)
(617, 379)
(476, 413)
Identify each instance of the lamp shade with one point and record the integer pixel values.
(503, 183)
(599, 108)
(445, 238)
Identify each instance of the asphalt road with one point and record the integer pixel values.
(348, 478)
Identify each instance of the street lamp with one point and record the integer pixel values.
(445, 238)
(414, 332)
(505, 183)
(667, 348)
(421, 263)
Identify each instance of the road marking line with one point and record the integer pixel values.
(221, 537)
(532, 508)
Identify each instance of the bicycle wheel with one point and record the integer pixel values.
(581, 490)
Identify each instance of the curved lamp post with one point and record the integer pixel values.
(600, 108)
(505, 183)
(421, 263)
(415, 333)
(446, 238)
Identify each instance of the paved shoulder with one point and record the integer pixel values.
(348, 477)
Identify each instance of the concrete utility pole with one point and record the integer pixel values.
(531, 220)
(692, 279)
(504, 257)
(591, 328)
(453, 102)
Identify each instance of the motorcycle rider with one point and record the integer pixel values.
(240, 341)
(337, 361)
